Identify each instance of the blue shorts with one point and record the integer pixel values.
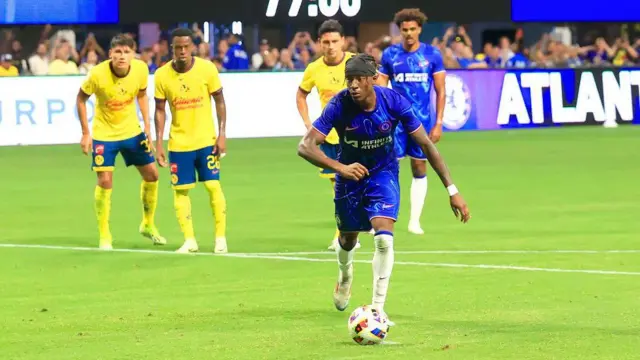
(331, 150)
(185, 165)
(135, 151)
(359, 202)
(405, 146)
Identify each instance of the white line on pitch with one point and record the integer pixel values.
(307, 259)
(285, 253)
(462, 252)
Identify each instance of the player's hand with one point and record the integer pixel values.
(86, 144)
(459, 207)
(161, 157)
(436, 133)
(354, 171)
(151, 146)
(220, 148)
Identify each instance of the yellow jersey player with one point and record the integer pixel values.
(326, 74)
(188, 83)
(117, 83)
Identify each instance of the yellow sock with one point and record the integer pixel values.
(102, 207)
(182, 204)
(333, 185)
(149, 197)
(218, 205)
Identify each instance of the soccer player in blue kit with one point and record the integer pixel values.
(367, 187)
(414, 68)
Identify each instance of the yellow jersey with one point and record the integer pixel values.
(189, 97)
(11, 71)
(116, 116)
(328, 80)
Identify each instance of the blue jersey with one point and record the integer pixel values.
(368, 137)
(411, 74)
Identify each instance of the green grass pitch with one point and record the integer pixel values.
(548, 190)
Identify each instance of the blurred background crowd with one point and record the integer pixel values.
(49, 50)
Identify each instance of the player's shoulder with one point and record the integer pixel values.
(103, 68)
(339, 100)
(430, 50)
(391, 97)
(393, 50)
(204, 64)
(162, 71)
(315, 64)
(138, 65)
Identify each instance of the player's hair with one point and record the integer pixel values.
(361, 65)
(181, 32)
(410, 15)
(330, 26)
(123, 40)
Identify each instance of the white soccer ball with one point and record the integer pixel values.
(368, 326)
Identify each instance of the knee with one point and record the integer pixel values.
(151, 177)
(383, 240)
(348, 241)
(418, 168)
(178, 195)
(213, 186)
(105, 180)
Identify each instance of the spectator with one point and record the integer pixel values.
(286, 61)
(257, 58)
(6, 66)
(91, 44)
(302, 41)
(506, 51)
(92, 60)
(464, 55)
(39, 62)
(161, 49)
(268, 62)
(18, 58)
(303, 59)
(218, 62)
(236, 57)
(62, 65)
(147, 57)
(203, 51)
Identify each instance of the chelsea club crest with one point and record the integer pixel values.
(457, 109)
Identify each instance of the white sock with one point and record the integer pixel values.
(382, 266)
(418, 194)
(345, 263)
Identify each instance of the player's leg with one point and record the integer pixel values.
(183, 178)
(103, 162)
(208, 169)
(382, 205)
(419, 184)
(138, 153)
(351, 219)
(331, 151)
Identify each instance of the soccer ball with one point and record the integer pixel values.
(368, 326)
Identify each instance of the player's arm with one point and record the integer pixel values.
(439, 77)
(385, 70)
(420, 137)
(160, 118)
(309, 147)
(215, 89)
(87, 89)
(143, 103)
(301, 96)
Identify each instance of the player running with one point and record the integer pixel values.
(188, 83)
(413, 68)
(117, 84)
(367, 186)
(326, 74)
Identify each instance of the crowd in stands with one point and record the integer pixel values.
(58, 53)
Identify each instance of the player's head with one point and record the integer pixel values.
(122, 51)
(182, 45)
(331, 37)
(361, 73)
(410, 22)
